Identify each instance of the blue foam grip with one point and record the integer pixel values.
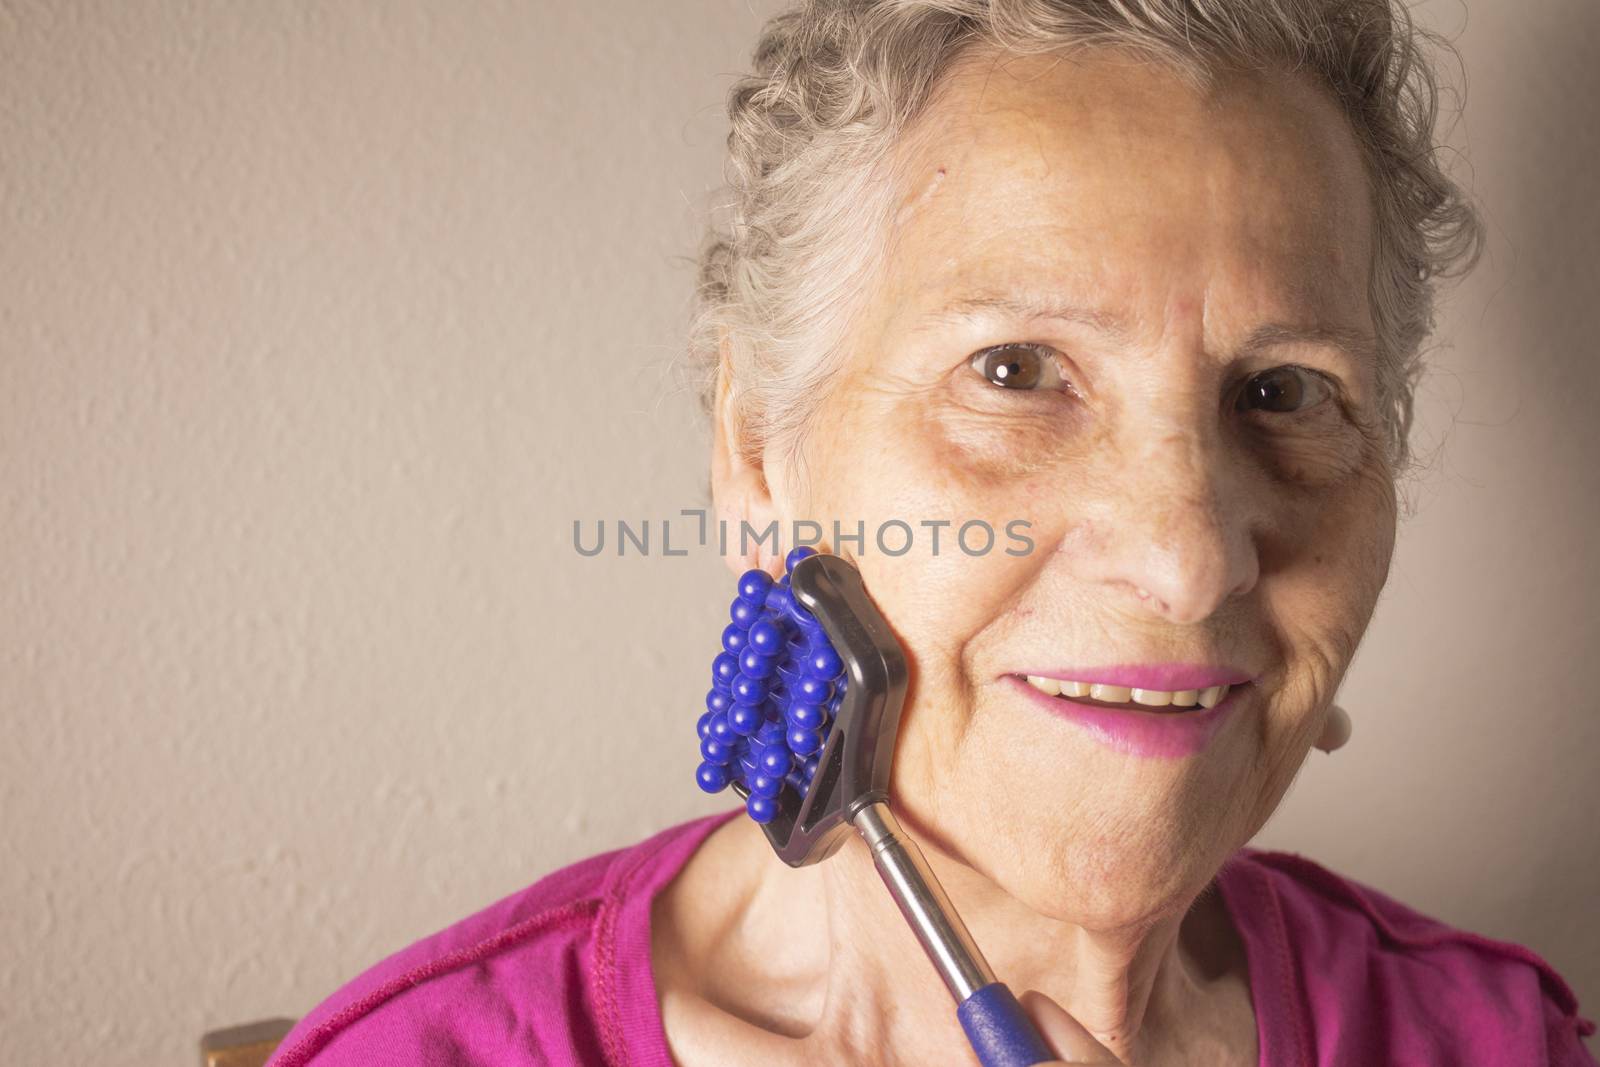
(1000, 1031)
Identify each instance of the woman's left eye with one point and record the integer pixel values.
(1283, 390)
(1019, 366)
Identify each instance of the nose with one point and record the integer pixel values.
(1172, 532)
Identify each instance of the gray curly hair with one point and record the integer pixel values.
(836, 82)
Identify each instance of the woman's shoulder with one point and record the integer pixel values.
(548, 974)
(1376, 976)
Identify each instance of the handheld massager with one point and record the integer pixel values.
(801, 721)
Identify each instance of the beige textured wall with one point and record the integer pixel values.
(321, 322)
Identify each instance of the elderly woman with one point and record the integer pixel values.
(1148, 277)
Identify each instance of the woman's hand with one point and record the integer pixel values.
(1064, 1034)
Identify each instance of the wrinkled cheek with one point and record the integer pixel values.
(990, 448)
(969, 487)
(1017, 472)
(959, 486)
(1326, 571)
(1319, 458)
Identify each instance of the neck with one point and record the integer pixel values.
(869, 984)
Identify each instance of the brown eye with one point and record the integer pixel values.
(1017, 367)
(1282, 390)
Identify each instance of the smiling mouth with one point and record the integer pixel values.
(1123, 698)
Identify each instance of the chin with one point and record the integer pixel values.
(1120, 889)
(1103, 867)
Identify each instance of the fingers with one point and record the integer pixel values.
(1063, 1033)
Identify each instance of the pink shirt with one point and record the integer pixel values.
(559, 974)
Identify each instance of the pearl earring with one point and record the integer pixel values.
(1335, 729)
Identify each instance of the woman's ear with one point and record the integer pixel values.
(739, 490)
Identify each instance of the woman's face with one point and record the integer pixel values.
(1191, 497)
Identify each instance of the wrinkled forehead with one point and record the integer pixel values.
(1115, 171)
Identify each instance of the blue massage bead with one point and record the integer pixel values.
(733, 638)
(774, 760)
(805, 716)
(833, 705)
(761, 809)
(743, 612)
(765, 785)
(778, 599)
(813, 690)
(795, 556)
(723, 669)
(825, 663)
(808, 769)
(755, 665)
(765, 637)
(717, 699)
(803, 742)
(771, 733)
(720, 728)
(716, 751)
(796, 779)
(745, 719)
(753, 585)
(703, 727)
(746, 763)
(713, 777)
(747, 690)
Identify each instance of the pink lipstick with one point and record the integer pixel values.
(1165, 733)
(1170, 677)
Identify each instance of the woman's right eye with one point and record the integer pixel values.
(1018, 366)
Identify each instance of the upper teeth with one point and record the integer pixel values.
(1116, 694)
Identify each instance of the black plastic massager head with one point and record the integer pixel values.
(853, 767)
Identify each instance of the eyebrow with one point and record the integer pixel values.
(1023, 306)
(1033, 307)
(1358, 343)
